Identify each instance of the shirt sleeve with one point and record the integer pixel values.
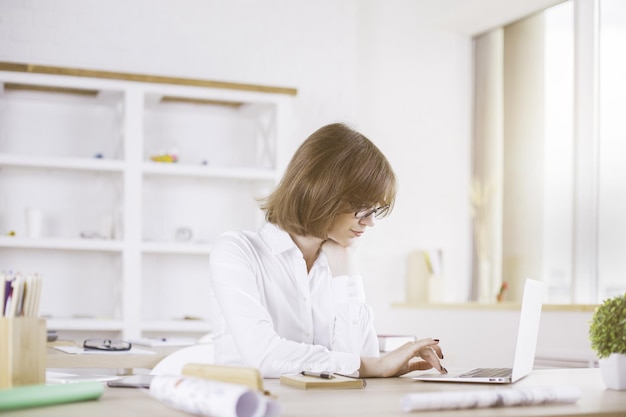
(354, 321)
(233, 279)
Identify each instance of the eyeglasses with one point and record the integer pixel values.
(377, 212)
(107, 344)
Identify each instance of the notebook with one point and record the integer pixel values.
(524, 359)
(307, 382)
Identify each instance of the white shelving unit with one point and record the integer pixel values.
(125, 241)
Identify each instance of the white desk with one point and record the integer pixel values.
(58, 359)
(381, 398)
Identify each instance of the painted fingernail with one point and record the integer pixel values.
(444, 370)
(436, 340)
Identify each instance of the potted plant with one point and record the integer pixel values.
(607, 333)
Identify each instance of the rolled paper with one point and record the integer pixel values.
(449, 400)
(40, 395)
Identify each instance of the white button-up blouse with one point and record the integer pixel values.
(267, 312)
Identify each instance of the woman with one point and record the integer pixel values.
(288, 298)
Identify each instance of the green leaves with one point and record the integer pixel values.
(607, 330)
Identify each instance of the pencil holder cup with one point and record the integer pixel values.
(23, 343)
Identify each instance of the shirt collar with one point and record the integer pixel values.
(276, 238)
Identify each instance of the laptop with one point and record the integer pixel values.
(524, 350)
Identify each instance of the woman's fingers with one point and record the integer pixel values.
(432, 343)
(402, 360)
(420, 344)
(428, 354)
(438, 350)
(431, 352)
(420, 366)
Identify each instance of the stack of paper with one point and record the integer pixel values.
(79, 350)
(164, 341)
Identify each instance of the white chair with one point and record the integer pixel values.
(173, 363)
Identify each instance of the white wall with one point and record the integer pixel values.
(372, 63)
(414, 99)
(302, 44)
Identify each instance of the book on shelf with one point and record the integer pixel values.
(308, 382)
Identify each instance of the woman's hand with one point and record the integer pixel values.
(403, 360)
(341, 260)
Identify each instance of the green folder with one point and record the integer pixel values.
(40, 395)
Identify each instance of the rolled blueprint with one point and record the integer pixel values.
(501, 397)
(211, 398)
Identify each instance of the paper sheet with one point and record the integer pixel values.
(78, 350)
(55, 377)
(212, 398)
(164, 341)
(502, 397)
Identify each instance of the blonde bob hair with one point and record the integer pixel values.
(335, 170)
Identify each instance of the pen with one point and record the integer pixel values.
(323, 375)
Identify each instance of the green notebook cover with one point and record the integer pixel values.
(40, 395)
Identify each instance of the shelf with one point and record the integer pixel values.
(80, 324)
(48, 89)
(62, 244)
(229, 139)
(174, 169)
(176, 248)
(76, 324)
(493, 306)
(71, 164)
(143, 78)
(176, 326)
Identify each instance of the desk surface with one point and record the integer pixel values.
(381, 398)
(58, 359)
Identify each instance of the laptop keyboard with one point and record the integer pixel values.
(487, 373)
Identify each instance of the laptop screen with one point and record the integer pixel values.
(528, 329)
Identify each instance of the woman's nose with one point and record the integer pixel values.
(369, 220)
